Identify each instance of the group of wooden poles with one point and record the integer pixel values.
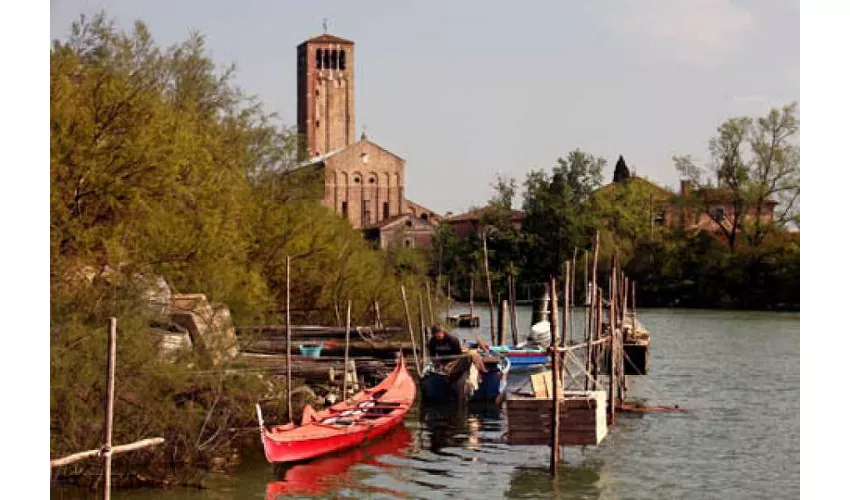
(596, 339)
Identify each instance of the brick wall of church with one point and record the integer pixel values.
(366, 182)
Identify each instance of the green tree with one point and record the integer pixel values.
(756, 164)
(558, 213)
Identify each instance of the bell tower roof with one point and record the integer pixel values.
(327, 38)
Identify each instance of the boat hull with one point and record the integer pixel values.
(436, 387)
(296, 451)
(523, 357)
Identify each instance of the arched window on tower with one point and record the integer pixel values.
(333, 59)
(318, 58)
(342, 59)
(326, 58)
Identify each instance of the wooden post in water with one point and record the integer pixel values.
(512, 294)
(489, 289)
(471, 296)
(586, 282)
(555, 422)
(634, 308)
(566, 328)
(612, 325)
(553, 285)
(597, 350)
(288, 348)
(588, 332)
(422, 330)
(573, 296)
(430, 306)
(503, 321)
(410, 329)
(595, 311)
(556, 377)
(345, 362)
(625, 300)
(110, 408)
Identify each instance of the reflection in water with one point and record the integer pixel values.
(572, 482)
(334, 471)
(458, 426)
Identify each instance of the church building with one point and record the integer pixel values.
(364, 182)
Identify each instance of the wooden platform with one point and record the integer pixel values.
(464, 321)
(582, 415)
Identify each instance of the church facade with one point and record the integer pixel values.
(364, 182)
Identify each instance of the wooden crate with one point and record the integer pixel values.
(582, 414)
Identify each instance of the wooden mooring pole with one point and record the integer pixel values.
(612, 325)
(410, 329)
(110, 406)
(565, 330)
(422, 328)
(288, 350)
(430, 305)
(489, 290)
(512, 305)
(345, 359)
(503, 322)
(471, 296)
(556, 386)
(596, 309)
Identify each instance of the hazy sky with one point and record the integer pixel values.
(464, 90)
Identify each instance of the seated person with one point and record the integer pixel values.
(443, 343)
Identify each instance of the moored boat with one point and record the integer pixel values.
(317, 477)
(523, 357)
(460, 380)
(366, 415)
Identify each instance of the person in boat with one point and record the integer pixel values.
(443, 343)
(447, 346)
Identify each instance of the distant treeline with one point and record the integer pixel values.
(740, 262)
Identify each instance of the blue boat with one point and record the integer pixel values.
(523, 357)
(520, 357)
(439, 386)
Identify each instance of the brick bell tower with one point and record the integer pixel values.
(325, 94)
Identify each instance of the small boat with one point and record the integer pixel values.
(319, 476)
(520, 356)
(460, 381)
(366, 415)
(523, 356)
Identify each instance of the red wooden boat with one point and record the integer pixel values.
(366, 415)
(317, 477)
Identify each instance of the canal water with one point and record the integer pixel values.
(737, 374)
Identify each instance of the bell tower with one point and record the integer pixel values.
(325, 94)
